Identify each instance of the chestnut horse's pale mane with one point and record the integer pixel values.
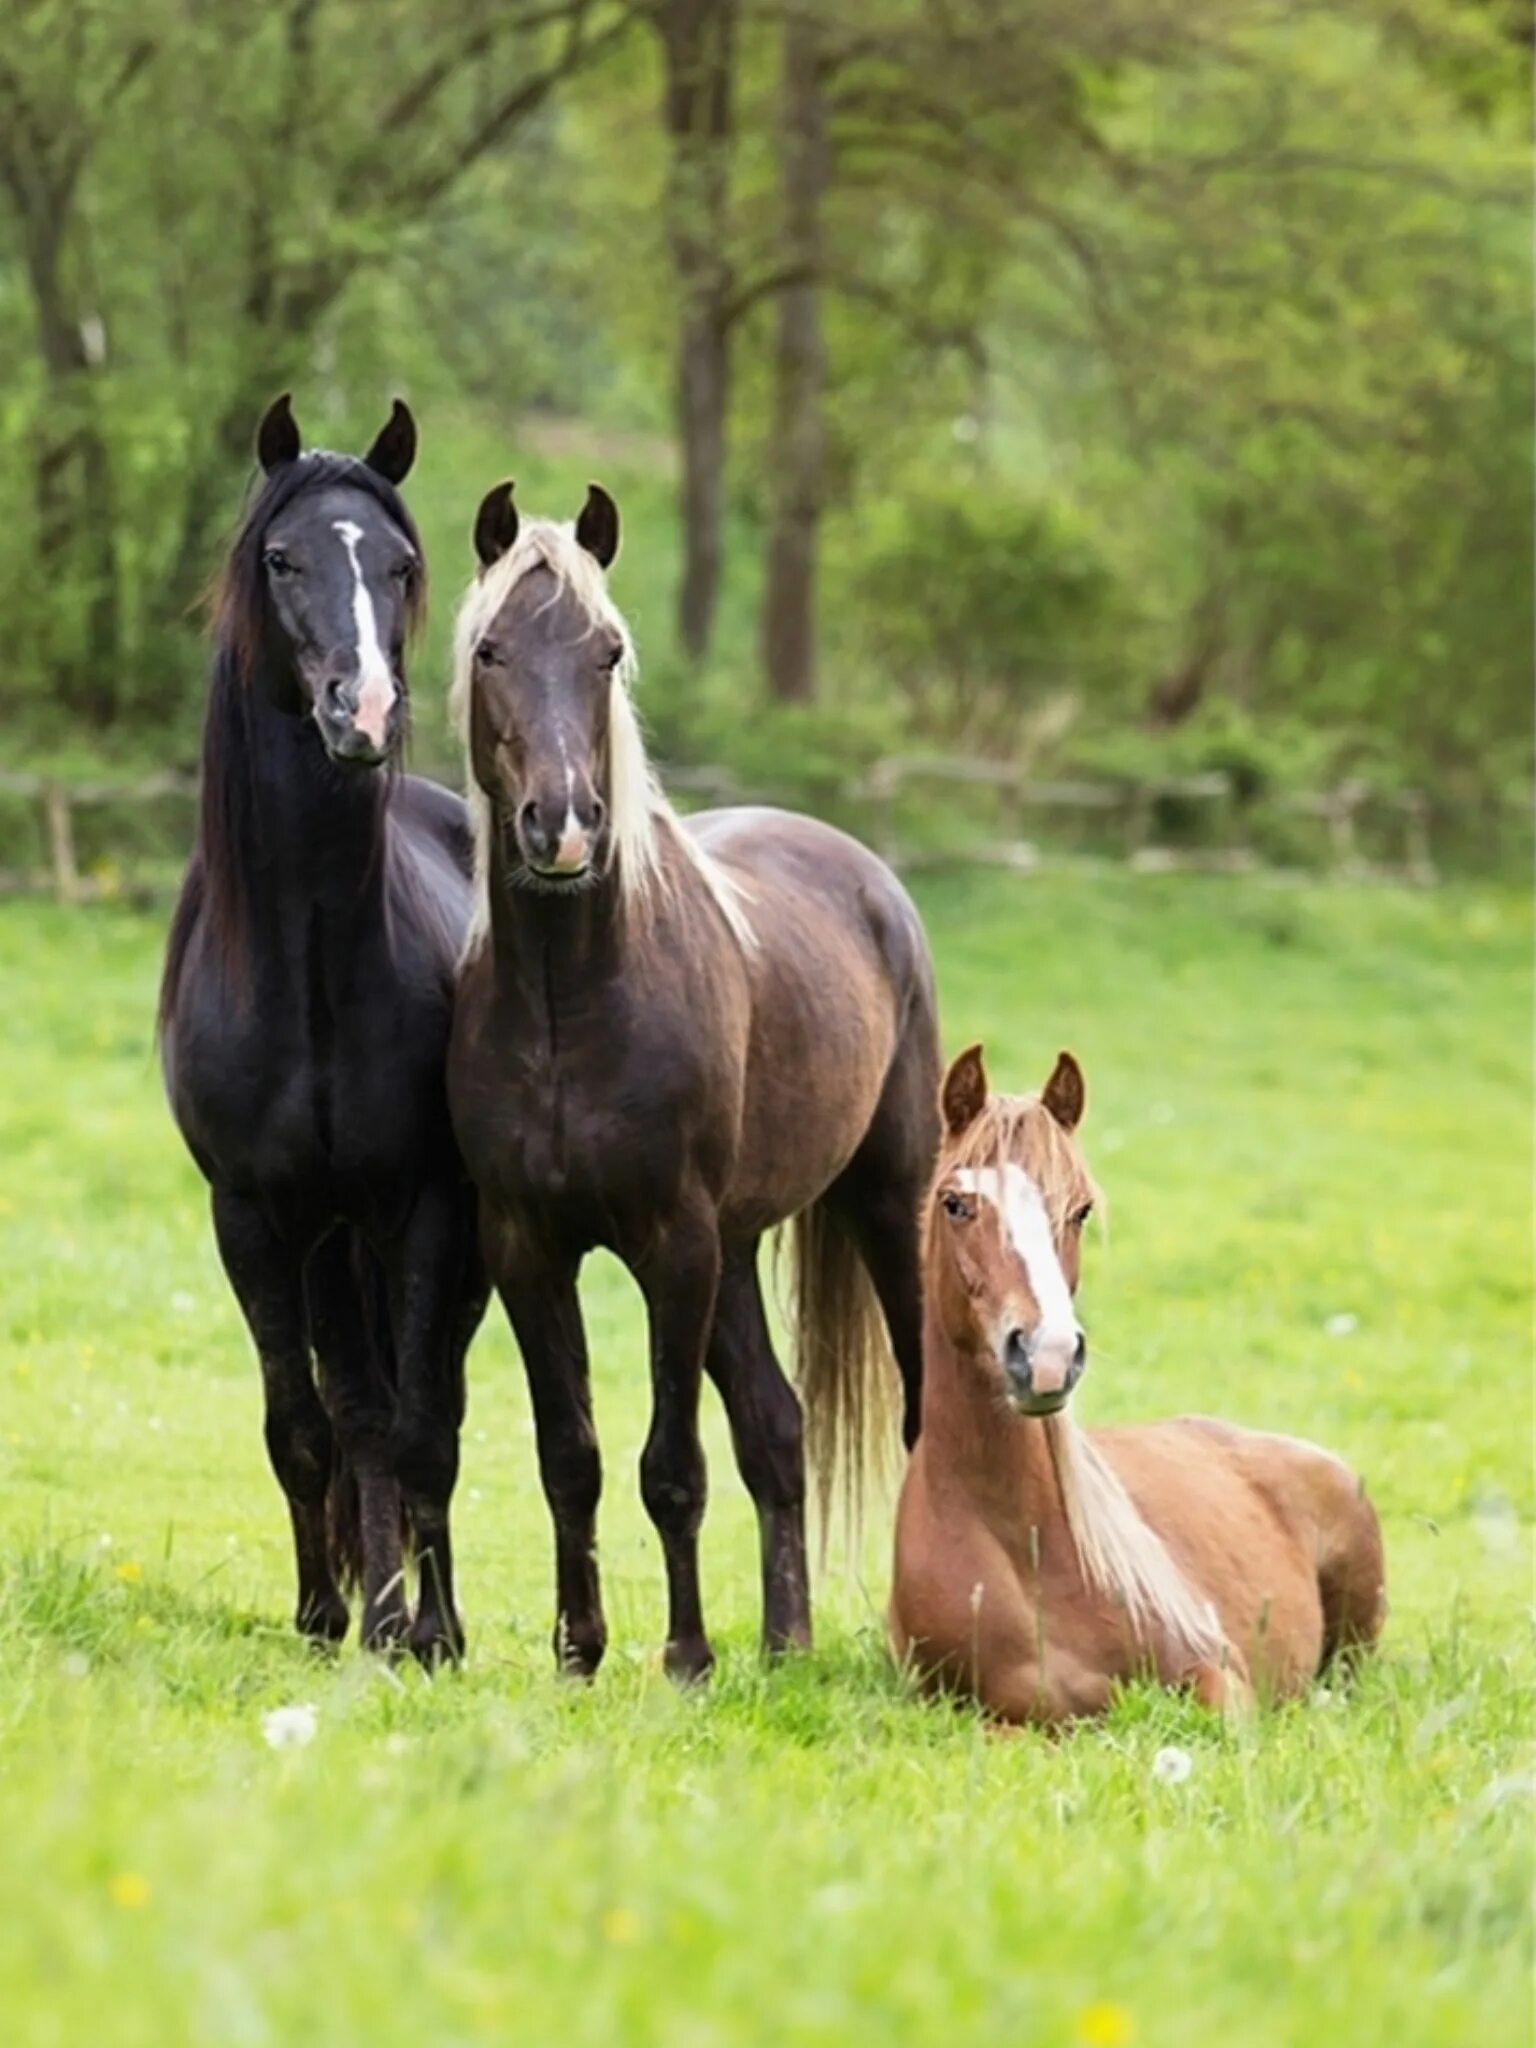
(641, 820)
(1119, 1551)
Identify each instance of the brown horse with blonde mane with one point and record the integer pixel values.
(1038, 1565)
(670, 1036)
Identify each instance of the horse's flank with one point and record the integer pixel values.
(643, 827)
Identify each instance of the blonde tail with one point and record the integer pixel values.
(847, 1377)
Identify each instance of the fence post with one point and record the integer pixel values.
(1417, 858)
(61, 842)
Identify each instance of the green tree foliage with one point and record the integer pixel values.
(1088, 373)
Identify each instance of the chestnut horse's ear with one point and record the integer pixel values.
(495, 524)
(597, 530)
(394, 447)
(277, 438)
(1065, 1095)
(964, 1094)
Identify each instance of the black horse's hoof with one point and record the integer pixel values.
(323, 1621)
(386, 1632)
(436, 1644)
(688, 1661)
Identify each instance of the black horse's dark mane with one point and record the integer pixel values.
(227, 821)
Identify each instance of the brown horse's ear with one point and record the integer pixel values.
(394, 447)
(495, 524)
(277, 438)
(597, 529)
(1065, 1095)
(964, 1094)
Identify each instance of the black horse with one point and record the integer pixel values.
(304, 1017)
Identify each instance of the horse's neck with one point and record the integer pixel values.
(1003, 1461)
(308, 838)
(543, 941)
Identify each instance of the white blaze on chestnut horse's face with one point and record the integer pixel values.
(1009, 1206)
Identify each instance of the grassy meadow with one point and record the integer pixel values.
(1310, 1109)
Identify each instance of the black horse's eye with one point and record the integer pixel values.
(1080, 1216)
(403, 571)
(955, 1207)
(278, 564)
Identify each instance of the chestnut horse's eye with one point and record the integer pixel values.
(1080, 1216)
(277, 563)
(955, 1207)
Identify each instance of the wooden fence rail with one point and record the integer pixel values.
(1130, 808)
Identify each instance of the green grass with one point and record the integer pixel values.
(1304, 1105)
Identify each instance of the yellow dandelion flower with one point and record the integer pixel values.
(130, 1570)
(1103, 2025)
(129, 1889)
(620, 1924)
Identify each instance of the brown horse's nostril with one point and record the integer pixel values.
(1080, 1352)
(531, 830)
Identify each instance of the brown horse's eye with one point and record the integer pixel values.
(955, 1207)
(1080, 1216)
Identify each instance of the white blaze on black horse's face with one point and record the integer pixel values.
(342, 576)
(339, 575)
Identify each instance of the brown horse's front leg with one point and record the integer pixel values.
(679, 1276)
(538, 1290)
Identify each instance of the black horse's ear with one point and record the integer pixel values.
(495, 524)
(394, 448)
(1065, 1095)
(964, 1094)
(597, 529)
(277, 438)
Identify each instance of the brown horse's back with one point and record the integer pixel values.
(843, 1009)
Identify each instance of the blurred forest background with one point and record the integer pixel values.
(1130, 388)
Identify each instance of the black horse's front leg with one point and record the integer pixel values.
(537, 1286)
(265, 1275)
(429, 1267)
(679, 1276)
(348, 1324)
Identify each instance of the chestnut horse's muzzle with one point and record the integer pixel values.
(1039, 1377)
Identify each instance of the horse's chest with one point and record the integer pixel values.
(285, 1098)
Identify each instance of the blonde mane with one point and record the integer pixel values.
(641, 820)
(1120, 1553)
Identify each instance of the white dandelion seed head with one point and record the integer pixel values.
(1172, 1766)
(290, 1727)
(1343, 1324)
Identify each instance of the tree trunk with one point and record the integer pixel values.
(76, 522)
(797, 449)
(698, 38)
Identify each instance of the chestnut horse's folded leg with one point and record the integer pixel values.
(679, 1275)
(264, 1273)
(768, 1436)
(538, 1291)
(426, 1272)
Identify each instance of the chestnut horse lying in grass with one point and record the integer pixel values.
(1038, 1564)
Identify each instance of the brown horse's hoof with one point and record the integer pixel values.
(688, 1661)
